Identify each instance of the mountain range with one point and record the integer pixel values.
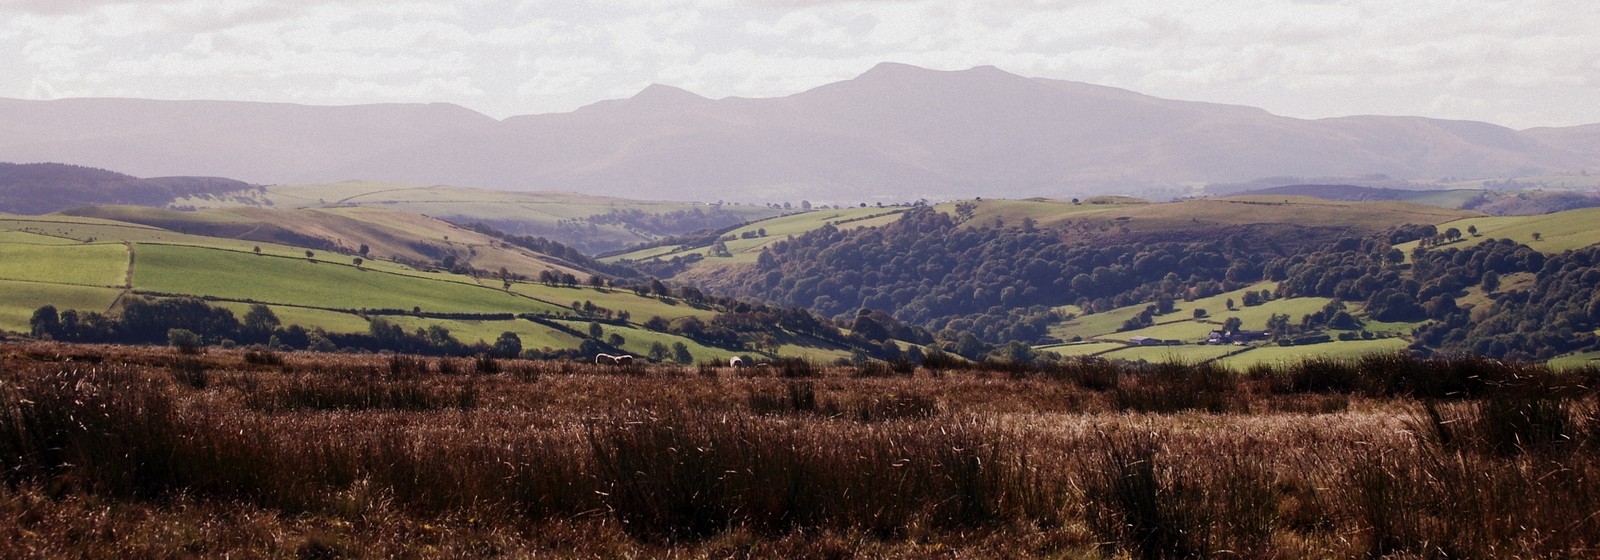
(896, 132)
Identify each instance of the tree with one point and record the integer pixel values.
(680, 353)
(509, 345)
(1472, 230)
(45, 322)
(1537, 236)
(1199, 313)
(1232, 324)
(258, 249)
(310, 255)
(658, 351)
(185, 340)
(1490, 281)
(259, 321)
(595, 331)
(364, 249)
(1452, 234)
(357, 261)
(616, 340)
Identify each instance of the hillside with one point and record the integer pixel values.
(1495, 202)
(42, 188)
(894, 134)
(122, 281)
(594, 224)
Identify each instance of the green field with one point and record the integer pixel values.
(1589, 359)
(1561, 231)
(534, 336)
(1186, 354)
(99, 264)
(641, 308)
(18, 300)
(1081, 348)
(1044, 212)
(172, 269)
(1274, 354)
(637, 341)
(747, 249)
(330, 321)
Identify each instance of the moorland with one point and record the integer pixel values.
(126, 451)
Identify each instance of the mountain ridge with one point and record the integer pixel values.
(896, 132)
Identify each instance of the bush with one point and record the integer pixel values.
(184, 340)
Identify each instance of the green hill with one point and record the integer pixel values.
(90, 264)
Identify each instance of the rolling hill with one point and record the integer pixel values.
(94, 261)
(42, 188)
(895, 133)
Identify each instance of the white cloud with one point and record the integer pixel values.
(1481, 59)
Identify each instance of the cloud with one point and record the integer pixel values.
(1446, 58)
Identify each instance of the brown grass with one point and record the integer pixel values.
(118, 451)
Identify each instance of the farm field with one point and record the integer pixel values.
(18, 300)
(641, 308)
(310, 318)
(266, 454)
(1274, 355)
(1081, 348)
(533, 335)
(637, 341)
(224, 274)
(98, 264)
(1184, 354)
(1558, 232)
(747, 249)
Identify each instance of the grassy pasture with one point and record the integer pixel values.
(637, 341)
(1303, 211)
(641, 308)
(746, 250)
(1081, 348)
(533, 335)
(18, 300)
(98, 264)
(1275, 355)
(238, 276)
(330, 321)
(1561, 231)
(8, 237)
(1045, 212)
(1185, 354)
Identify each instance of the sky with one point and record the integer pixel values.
(1519, 63)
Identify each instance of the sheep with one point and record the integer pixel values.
(624, 360)
(605, 360)
(736, 362)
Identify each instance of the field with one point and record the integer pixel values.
(1184, 354)
(1300, 211)
(537, 213)
(151, 453)
(1558, 232)
(100, 264)
(18, 300)
(170, 269)
(745, 249)
(1274, 355)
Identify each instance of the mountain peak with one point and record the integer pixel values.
(665, 95)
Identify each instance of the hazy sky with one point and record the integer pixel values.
(1519, 63)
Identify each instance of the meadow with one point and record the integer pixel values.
(152, 452)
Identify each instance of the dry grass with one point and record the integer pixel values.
(117, 451)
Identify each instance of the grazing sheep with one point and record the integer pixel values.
(624, 360)
(736, 362)
(605, 360)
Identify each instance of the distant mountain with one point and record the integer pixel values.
(41, 188)
(896, 132)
